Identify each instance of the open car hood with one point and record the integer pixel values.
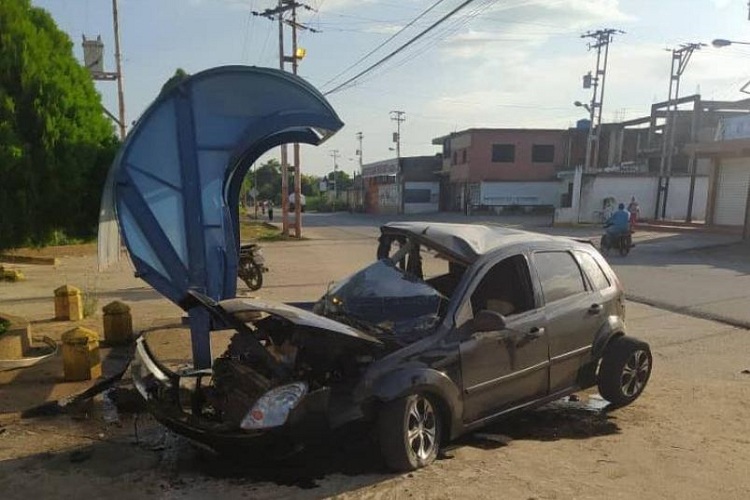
(296, 316)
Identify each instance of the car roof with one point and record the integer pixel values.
(468, 242)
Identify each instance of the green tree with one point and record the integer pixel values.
(174, 80)
(343, 179)
(55, 143)
(310, 185)
(269, 181)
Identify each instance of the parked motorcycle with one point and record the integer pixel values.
(622, 243)
(252, 265)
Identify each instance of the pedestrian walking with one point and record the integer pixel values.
(270, 211)
(635, 212)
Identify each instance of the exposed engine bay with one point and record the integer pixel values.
(242, 374)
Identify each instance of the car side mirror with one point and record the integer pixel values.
(489, 321)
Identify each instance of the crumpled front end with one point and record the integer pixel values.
(244, 411)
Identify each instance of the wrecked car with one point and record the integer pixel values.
(452, 327)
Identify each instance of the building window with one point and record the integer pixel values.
(543, 153)
(417, 195)
(463, 156)
(503, 153)
(455, 158)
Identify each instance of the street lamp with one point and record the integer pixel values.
(721, 42)
(580, 104)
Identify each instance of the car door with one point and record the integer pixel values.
(506, 366)
(574, 314)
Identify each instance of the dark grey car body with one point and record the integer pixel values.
(476, 366)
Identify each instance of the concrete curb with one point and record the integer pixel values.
(27, 259)
(687, 311)
(677, 228)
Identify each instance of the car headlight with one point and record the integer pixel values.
(273, 408)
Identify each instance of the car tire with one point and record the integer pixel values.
(409, 430)
(624, 371)
(604, 245)
(624, 247)
(252, 274)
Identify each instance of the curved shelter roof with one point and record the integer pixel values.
(174, 185)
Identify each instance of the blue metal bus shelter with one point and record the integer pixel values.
(172, 192)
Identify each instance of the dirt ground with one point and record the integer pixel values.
(685, 438)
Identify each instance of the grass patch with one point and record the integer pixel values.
(260, 231)
(4, 326)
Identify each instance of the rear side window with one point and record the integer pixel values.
(560, 275)
(593, 271)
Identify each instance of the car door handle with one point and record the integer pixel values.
(533, 334)
(595, 309)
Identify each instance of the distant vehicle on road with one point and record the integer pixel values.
(303, 202)
(454, 327)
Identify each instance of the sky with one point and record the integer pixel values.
(496, 63)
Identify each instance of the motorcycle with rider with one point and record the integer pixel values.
(618, 233)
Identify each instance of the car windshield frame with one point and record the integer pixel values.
(380, 296)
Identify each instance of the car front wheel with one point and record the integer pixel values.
(409, 432)
(624, 371)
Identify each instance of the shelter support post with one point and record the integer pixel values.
(200, 336)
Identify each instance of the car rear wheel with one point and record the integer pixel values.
(624, 371)
(409, 432)
(624, 248)
(624, 245)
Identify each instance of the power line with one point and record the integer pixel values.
(401, 48)
(443, 33)
(420, 16)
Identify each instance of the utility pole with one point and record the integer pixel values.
(278, 12)
(93, 54)
(335, 155)
(360, 136)
(680, 59)
(601, 40)
(399, 118)
(361, 197)
(297, 179)
(118, 62)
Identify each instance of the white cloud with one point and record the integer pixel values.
(384, 29)
(551, 18)
(721, 4)
(508, 89)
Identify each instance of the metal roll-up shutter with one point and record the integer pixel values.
(731, 194)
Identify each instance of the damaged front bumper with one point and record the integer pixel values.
(176, 400)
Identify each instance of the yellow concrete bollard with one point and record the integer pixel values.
(15, 343)
(80, 350)
(118, 323)
(12, 275)
(68, 304)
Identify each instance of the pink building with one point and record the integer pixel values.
(502, 167)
